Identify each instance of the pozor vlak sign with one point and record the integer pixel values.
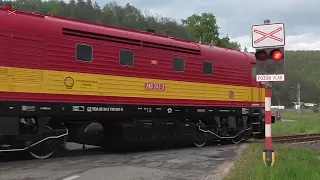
(269, 41)
(276, 77)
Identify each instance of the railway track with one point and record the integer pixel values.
(297, 138)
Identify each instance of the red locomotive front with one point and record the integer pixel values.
(100, 85)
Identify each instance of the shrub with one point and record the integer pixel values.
(315, 109)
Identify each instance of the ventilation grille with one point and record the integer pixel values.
(103, 37)
(170, 48)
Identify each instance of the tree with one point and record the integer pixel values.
(205, 27)
(227, 43)
(202, 26)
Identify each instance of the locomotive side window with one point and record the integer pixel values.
(207, 68)
(126, 58)
(178, 64)
(253, 71)
(83, 53)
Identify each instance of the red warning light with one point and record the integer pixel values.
(261, 55)
(9, 6)
(276, 55)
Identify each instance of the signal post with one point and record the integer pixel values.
(269, 40)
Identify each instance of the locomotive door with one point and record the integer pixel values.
(255, 93)
(258, 91)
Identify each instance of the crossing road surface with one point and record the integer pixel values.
(190, 163)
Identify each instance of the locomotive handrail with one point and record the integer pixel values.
(38, 142)
(229, 137)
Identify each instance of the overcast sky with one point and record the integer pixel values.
(235, 17)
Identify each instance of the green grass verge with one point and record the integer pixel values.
(303, 124)
(290, 164)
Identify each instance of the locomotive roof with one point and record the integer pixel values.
(38, 24)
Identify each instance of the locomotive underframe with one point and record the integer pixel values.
(40, 127)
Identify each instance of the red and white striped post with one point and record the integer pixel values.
(268, 153)
(267, 109)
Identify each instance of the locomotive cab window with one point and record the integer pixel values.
(178, 64)
(83, 53)
(253, 71)
(126, 58)
(207, 68)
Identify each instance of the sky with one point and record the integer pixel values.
(235, 17)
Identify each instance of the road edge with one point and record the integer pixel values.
(224, 169)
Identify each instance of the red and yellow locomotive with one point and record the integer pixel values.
(65, 80)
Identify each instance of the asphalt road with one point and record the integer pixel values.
(190, 163)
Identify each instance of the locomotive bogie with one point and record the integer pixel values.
(144, 125)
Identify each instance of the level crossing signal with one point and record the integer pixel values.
(270, 61)
(269, 40)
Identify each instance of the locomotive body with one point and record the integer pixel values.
(65, 80)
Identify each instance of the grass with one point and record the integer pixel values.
(303, 124)
(290, 164)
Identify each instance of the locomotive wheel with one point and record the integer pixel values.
(199, 134)
(41, 154)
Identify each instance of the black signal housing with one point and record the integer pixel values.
(270, 61)
(261, 55)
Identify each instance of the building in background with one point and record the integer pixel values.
(303, 105)
(278, 107)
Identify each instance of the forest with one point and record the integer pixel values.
(302, 67)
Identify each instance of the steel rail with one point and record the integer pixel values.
(297, 138)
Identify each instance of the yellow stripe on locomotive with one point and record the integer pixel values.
(59, 82)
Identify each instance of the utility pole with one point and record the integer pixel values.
(298, 98)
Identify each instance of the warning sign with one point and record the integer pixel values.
(268, 35)
(267, 78)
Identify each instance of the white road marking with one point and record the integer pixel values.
(176, 161)
(71, 177)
